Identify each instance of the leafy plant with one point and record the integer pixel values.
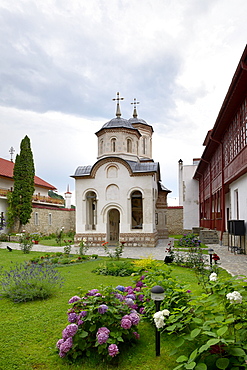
(216, 325)
(117, 268)
(67, 248)
(28, 282)
(117, 253)
(83, 248)
(60, 236)
(101, 321)
(26, 242)
(189, 241)
(146, 263)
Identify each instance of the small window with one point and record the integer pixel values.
(36, 218)
(113, 145)
(129, 146)
(49, 219)
(144, 145)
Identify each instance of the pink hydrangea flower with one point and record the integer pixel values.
(134, 317)
(65, 346)
(74, 299)
(126, 323)
(113, 350)
(69, 331)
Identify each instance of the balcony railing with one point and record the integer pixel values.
(37, 198)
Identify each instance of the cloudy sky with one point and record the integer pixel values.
(63, 61)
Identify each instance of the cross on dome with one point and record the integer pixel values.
(118, 112)
(135, 111)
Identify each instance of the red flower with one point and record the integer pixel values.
(216, 257)
(104, 244)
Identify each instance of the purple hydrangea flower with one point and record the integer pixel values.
(113, 350)
(82, 314)
(65, 347)
(69, 331)
(103, 329)
(72, 317)
(74, 299)
(139, 284)
(119, 296)
(80, 322)
(92, 292)
(131, 295)
(97, 294)
(59, 342)
(102, 308)
(129, 289)
(126, 323)
(134, 317)
(129, 302)
(134, 306)
(102, 337)
(142, 310)
(120, 287)
(141, 297)
(136, 335)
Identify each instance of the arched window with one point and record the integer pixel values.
(101, 147)
(136, 210)
(91, 210)
(129, 146)
(144, 145)
(113, 145)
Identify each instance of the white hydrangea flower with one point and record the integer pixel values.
(234, 297)
(165, 312)
(213, 276)
(159, 318)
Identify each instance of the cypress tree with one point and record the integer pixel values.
(23, 183)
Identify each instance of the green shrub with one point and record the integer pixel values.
(118, 268)
(28, 282)
(4, 237)
(26, 242)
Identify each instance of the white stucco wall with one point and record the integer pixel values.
(119, 198)
(239, 186)
(190, 197)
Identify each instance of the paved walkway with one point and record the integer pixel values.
(235, 264)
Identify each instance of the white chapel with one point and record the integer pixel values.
(120, 198)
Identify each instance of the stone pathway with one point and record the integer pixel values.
(235, 264)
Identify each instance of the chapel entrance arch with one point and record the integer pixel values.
(113, 221)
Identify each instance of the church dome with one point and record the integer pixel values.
(118, 122)
(138, 120)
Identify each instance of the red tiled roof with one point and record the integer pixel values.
(7, 168)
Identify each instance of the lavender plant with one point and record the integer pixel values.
(28, 282)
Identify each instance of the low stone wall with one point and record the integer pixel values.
(174, 220)
(130, 239)
(47, 220)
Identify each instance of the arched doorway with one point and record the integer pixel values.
(113, 226)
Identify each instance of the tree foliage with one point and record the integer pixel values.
(23, 183)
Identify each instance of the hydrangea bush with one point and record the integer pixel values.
(100, 320)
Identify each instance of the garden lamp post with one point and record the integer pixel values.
(210, 251)
(157, 295)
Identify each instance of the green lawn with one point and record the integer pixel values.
(29, 331)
